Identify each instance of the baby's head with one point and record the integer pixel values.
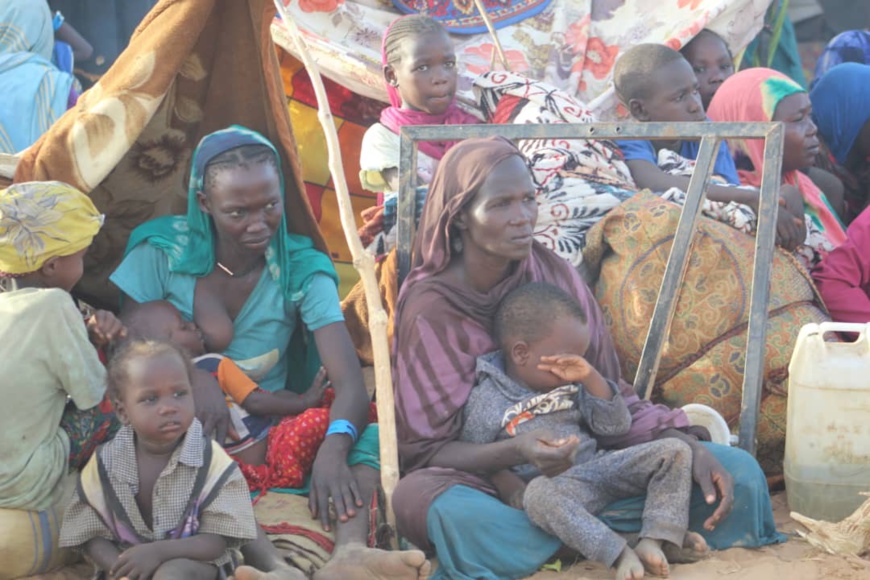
(656, 84)
(420, 64)
(538, 320)
(45, 229)
(160, 320)
(711, 61)
(149, 383)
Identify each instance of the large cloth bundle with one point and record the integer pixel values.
(570, 44)
(29, 539)
(703, 357)
(191, 68)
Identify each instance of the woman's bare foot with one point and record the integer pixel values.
(650, 553)
(694, 549)
(629, 566)
(288, 573)
(357, 562)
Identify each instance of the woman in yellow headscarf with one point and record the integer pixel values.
(45, 352)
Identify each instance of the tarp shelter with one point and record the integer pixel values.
(192, 67)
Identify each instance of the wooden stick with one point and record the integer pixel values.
(364, 262)
(501, 54)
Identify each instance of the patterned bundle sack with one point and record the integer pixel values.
(703, 358)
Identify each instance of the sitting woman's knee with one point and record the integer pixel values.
(184, 569)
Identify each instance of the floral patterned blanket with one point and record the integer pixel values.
(578, 180)
(570, 44)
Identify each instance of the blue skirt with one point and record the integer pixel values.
(477, 537)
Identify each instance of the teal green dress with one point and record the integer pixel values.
(165, 256)
(264, 325)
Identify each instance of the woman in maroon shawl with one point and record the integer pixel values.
(473, 246)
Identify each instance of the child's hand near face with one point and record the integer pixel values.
(573, 368)
(104, 327)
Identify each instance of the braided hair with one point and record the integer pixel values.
(244, 156)
(411, 26)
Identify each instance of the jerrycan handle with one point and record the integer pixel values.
(850, 327)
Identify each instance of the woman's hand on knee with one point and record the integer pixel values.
(332, 480)
(715, 483)
(550, 454)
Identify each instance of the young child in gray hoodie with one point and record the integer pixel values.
(539, 381)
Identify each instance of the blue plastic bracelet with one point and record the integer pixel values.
(57, 21)
(343, 427)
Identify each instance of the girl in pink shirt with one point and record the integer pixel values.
(843, 277)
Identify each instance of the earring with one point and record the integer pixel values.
(394, 83)
(456, 245)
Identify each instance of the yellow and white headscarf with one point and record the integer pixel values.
(41, 220)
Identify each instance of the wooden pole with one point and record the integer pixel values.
(496, 43)
(364, 262)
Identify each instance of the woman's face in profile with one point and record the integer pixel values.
(246, 205)
(500, 220)
(801, 144)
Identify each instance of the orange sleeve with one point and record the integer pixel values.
(234, 382)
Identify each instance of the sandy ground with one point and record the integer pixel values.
(794, 560)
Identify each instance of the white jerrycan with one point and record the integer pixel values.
(827, 444)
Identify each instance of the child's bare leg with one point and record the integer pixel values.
(666, 511)
(628, 566)
(694, 549)
(183, 569)
(650, 553)
(255, 454)
(353, 559)
(263, 561)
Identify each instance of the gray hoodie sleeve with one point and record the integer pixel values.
(602, 416)
(482, 414)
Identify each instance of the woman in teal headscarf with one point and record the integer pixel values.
(231, 266)
(35, 92)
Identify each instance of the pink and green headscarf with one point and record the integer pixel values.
(752, 95)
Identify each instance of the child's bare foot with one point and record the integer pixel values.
(357, 562)
(629, 566)
(650, 553)
(288, 573)
(694, 549)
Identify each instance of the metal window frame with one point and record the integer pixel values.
(710, 135)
